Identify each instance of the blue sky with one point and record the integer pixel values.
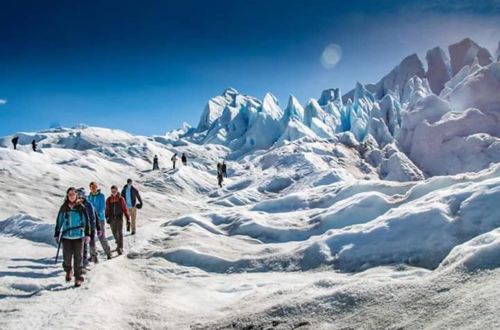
(148, 66)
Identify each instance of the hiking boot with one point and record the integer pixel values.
(69, 275)
(78, 282)
(94, 259)
(109, 255)
(120, 251)
(133, 233)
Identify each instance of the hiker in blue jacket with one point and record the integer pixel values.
(98, 200)
(73, 230)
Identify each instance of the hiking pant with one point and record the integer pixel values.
(173, 163)
(73, 249)
(90, 247)
(103, 239)
(117, 229)
(155, 167)
(133, 216)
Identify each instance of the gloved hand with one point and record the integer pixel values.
(86, 240)
(99, 233)
(57, 239)
(139, 206)
(128, 225)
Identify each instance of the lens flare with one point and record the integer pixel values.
(331, 56)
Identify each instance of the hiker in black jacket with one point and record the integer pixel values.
(15, 140)
(156, 166)
(131, 195)
(224, 169)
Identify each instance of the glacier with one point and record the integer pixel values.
(450, 111)
(373, 209)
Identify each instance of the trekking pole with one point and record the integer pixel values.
(58, 246)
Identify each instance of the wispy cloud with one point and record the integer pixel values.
(3, 101)
(487, 7)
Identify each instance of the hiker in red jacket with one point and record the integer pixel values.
(116, 208)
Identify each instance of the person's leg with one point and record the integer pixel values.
(114, 229)
(119, 232)
(104, 240)
(67, 253)
(85, 256)
(93, 250)
(133, 216)
(78, 251)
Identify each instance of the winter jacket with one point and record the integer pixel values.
(116, 207)
(98, 201)
(72, 222)
(92, 216)
(134, 193)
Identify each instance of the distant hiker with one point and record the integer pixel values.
(220, 176)
(155, 163)
(131, 195)
(98, 200)
(174, 159)
(115, 210)
(94, 226)
(15, 140)
(224, 169)
(184, 159)
(73, 230)
(34, 144)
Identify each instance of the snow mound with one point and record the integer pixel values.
(28, 227)
(482, 252)
(346, 227)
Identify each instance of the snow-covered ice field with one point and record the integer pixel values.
(381, 211)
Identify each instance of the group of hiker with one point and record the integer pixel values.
(221, 168)
(82, 219)
(15, 141)
(174, 158)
